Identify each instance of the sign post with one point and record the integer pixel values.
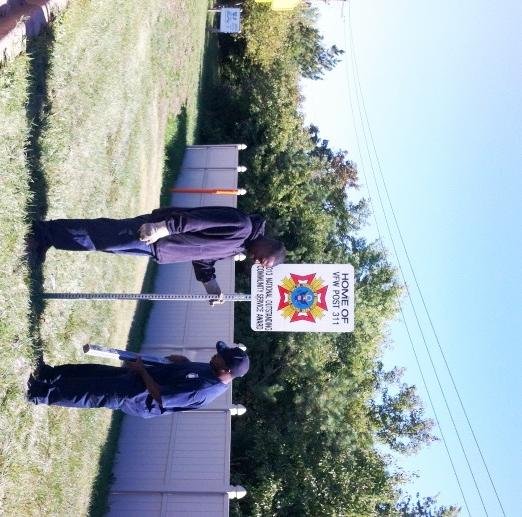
(302, 298)
(285, 298)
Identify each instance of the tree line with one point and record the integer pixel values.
(325, 420)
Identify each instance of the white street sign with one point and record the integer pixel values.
(230, 19)
(302, 298)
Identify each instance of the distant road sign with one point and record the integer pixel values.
(230, 20)
(302, 298)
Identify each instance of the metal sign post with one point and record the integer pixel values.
(285, 298)
(169, 297)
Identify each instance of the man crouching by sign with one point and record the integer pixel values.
(136, 389)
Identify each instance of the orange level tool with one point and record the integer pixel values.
(221, 191)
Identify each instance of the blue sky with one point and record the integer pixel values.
(441, 84)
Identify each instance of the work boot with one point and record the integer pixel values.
(43, 372)
(36, 243)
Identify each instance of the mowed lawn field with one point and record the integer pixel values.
(83, 125)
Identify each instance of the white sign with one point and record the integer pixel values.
(229, 18)
(302, 298)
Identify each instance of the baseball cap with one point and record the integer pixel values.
(235, 358)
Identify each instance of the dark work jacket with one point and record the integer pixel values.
(203, 235)
(183, 386)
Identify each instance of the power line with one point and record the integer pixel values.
(359, 92)
(356, 76)
(410, 297)
(399, 302)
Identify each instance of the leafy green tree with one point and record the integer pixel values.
(424, 507)
(312, 58)
(398, 417)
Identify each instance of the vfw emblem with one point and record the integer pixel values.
(302, 297)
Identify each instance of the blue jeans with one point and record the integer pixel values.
(85, 386)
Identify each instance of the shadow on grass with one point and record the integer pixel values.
(217, 97)
(208, 80)
(175, 144)
(39, 50)
(176, 141)
(218, 103)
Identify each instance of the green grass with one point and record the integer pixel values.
(83, 121)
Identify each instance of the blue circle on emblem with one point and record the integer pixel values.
(302, 297)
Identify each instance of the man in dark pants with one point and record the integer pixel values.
(202, 235)
(136, 389)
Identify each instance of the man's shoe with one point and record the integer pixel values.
(35, 390)
(42, 372)
(35, 245)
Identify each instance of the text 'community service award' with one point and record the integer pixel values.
(303, 298)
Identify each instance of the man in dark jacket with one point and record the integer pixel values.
(202, 235)
(136, 389)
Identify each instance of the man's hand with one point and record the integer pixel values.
(152, 386)
(212, 287)
(152, 232)
(220, 300)
(136, 366)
